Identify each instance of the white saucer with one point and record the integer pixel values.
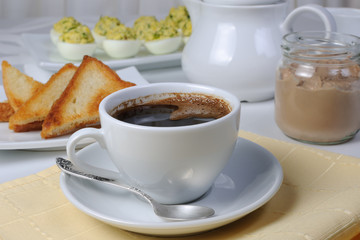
(250, 179)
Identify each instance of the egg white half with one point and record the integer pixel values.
(121, 48)
(164, 46)
(185, 39)
(75, 51)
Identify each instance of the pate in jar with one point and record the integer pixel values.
(317, 93)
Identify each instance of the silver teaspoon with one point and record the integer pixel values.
(170, 212)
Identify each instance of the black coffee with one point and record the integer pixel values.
(156, 116)
(176, 109)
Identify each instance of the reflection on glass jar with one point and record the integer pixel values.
(317, 95)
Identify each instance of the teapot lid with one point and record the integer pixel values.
(241, 2)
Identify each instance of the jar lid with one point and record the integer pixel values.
(241, 2)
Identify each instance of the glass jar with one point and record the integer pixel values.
(317, 93)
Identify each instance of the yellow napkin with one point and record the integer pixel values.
(319, 199)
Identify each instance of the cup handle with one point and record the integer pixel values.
(74, 139)
(323, 13)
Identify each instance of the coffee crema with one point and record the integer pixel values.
(171, 109)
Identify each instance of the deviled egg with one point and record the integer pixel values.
(102, 27)
(62, 26)
(162, 38)
(178, 15)
(186, 29)
(142, 25)
(121, 42)
(181, 18)
(76, 43)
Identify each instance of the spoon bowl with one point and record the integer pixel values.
(179, 212)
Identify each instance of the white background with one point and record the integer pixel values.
(15, 9)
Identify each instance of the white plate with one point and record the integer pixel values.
(32, 140)
(250, 179)
(48, 57)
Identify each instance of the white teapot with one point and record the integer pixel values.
(237, 47)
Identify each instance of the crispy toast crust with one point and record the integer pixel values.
(27, 127)
(77, 107)
(5, 111)
(32, 113)
(18, 86)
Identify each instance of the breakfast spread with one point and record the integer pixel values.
(317, 93)
(67, 102)
(75, 40)
(319, 103)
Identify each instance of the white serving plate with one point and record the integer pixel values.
(48, 57)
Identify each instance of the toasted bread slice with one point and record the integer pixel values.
(78, 105)
(18, 86)
(5, 111)
(32, 113)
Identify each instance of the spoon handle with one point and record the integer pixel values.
(69, 168)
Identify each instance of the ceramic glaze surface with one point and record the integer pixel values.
(237, 48)
(251, 178)
(172, 164)
(347, 20)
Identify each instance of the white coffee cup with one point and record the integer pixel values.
(171, 164)
(347, 20)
